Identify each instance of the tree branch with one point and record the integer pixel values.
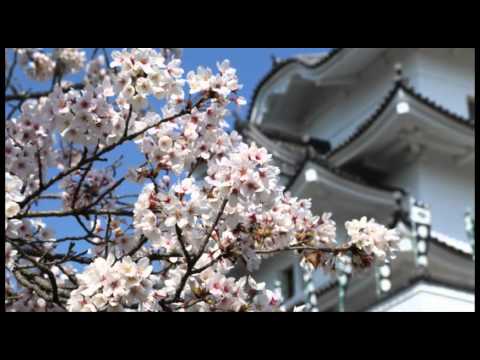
(191, 264)
(38, 214)
(39, 94)
(182, 243)
(45, 270)
(212, 229)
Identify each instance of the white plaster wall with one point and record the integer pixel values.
(447, 76)
(429, 298)
(406, 176)
(449, 190)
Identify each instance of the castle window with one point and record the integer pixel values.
(471, 108)
(285, 282)
(288, 290)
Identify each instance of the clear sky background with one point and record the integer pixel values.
(252, 65)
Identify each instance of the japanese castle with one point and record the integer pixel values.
(383, 133)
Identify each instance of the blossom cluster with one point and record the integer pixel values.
(110, 285)
(29, 143)
(209, 203)
(143, 72)
(27, 230)
(68, 60)
(37, 65)
(224, 84)
(121, 242)
(26, 300)
(32, 232)
(42, 66)
(197, 136)
(374, 239)
(13, 195)
(96, 71)
(86, 117)
(219, 292)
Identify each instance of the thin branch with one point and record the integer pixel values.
(50, 197)
(335, 251)
(45, 270)
(191, 264)
(157, 257)
(84, 227)
(107, 61)
(64, 239)
(39, 94)
(182, 244)
(194, 167)
(10, 71)
(127, 122)
(14, 109)
(211, 263)
(84, 212)
(22, 279)
(80, 183)
(40, 170)
(212, 229)
(94, 53)
(71, 277)
(79, 258)
(106, 192)
(142, 242)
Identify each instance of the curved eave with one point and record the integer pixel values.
(352, 189)
(458, 247)
(452, 245)
(377, 123)
(281, 69)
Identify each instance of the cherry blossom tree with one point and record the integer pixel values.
(209, 202)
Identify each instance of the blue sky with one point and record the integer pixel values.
(251, 63)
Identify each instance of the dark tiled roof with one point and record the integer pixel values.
(429, 102)
(400, 85)
(451, 248)
(322, 161)
(310, 154)
(306, 61)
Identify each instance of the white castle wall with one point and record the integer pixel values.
(449, 190)
(447, 76)
(429, 298)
